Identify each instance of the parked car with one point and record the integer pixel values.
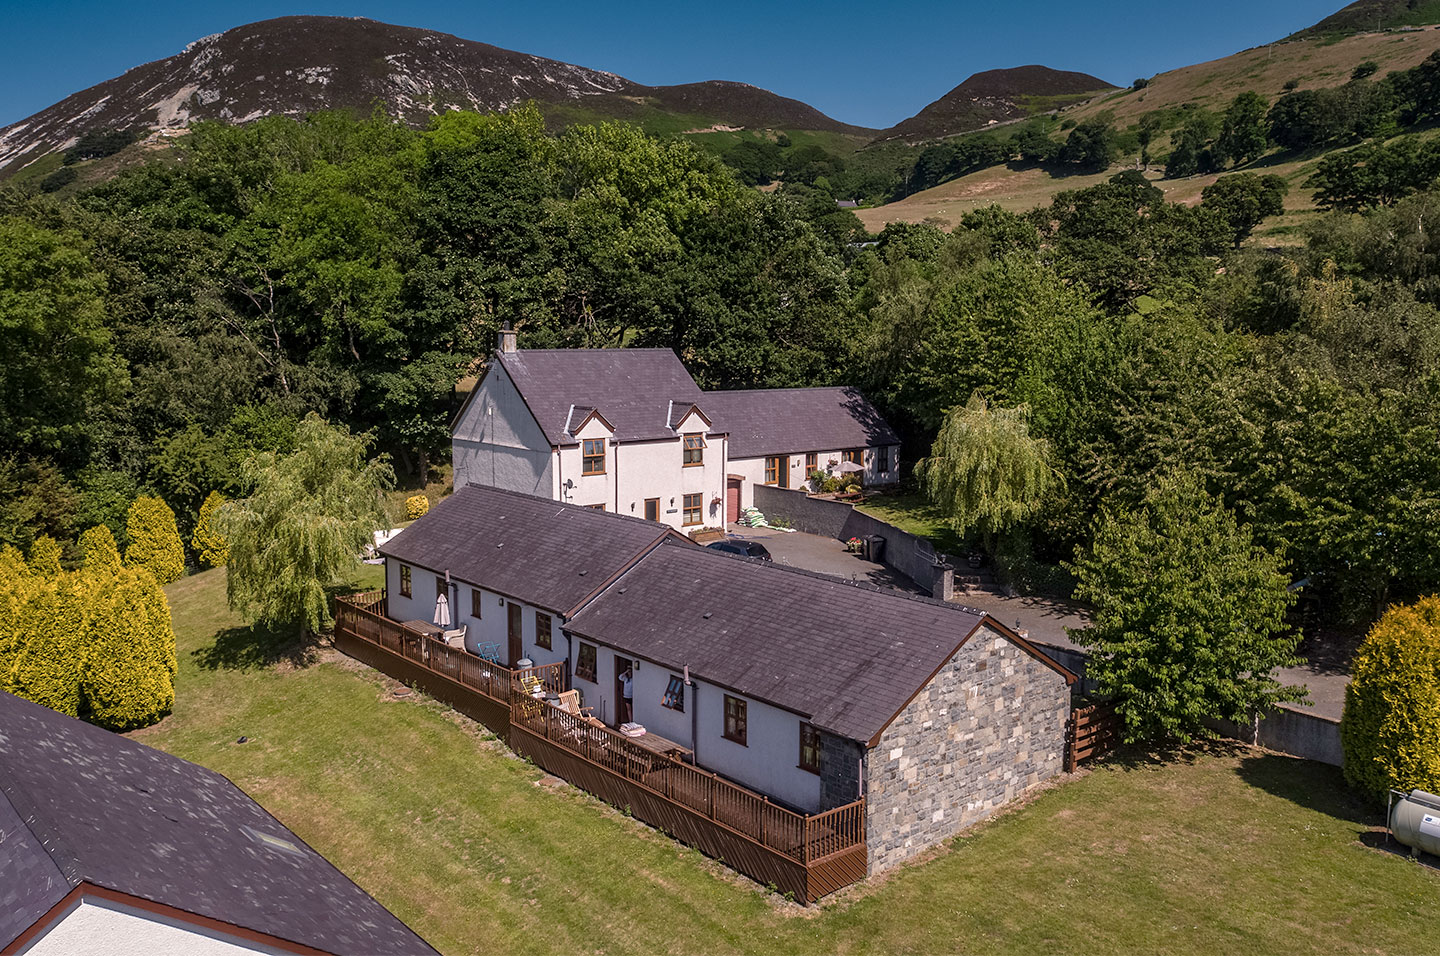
(750, 549)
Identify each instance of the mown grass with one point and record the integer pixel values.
(910, 510)
(1227, 850)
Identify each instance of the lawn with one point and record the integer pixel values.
(1229, 850)
(911, 511)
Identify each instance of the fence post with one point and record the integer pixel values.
(711, 799)
(549, 725)
(762, 820)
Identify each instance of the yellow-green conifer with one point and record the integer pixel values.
(154, 540)
(17, 585)
(128, 676)
(52, 637)
(45, 556)
(98, 551)
(207, 542)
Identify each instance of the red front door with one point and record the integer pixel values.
(732, 500)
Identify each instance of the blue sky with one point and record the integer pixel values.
(872, 64)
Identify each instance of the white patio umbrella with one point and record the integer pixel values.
(442, 613)
(851, 466)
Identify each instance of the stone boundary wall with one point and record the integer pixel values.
(906, 553)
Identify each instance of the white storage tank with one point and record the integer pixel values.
(1415, 821)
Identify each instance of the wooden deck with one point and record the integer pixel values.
(809, 855)
(477, 688)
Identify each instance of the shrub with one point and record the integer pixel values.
(210, 547)
(1368, 68)
(98, 551)
(416, 506)
(17, 585)
(128, 678)
(45, 556)
(1390, 730)
(154, 540)
(51, 644)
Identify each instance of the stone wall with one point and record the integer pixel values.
(909, 554)
(839, 771)
(989, 726)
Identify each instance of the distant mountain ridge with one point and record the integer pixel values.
(996, 96)
(300, 64)
(1367, 15)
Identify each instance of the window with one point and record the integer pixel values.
(694, 504)
(542, 630)
(652, 509)
(735, 720)
(809, 748)
(475, 603)
(812, 462)
(882, 459)
(857, 455)
(440, 587)
(404, 581)
(594, 454)
(777, 471)
(694, 450)
(585, 662)
(675, 694)
(596, 507)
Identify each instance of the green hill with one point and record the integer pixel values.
(1376, 15)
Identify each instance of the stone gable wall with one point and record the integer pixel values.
(989, 726)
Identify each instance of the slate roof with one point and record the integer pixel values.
(80, 804)
(632, 388)
(787, 421)
(545, 553)
(848, 657)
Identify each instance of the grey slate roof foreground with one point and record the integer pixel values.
(632, 388)
(80, 804)
(781, 421)
(542, 552)
(848, 657)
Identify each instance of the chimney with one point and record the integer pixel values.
(506, 340)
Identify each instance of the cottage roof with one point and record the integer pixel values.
(632, 388)
(786, 421)
(848, 657)
(545, 553)
(79, 804)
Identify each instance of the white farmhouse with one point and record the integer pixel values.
(628, 431)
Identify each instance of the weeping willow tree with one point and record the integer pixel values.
(303, 526)
(985, 470)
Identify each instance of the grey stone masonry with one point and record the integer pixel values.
(839, 771)
(987, 727)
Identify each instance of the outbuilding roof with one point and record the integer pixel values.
(787, 421)
(80, 805)
(545, 553)
(632, 388)
(848, 657)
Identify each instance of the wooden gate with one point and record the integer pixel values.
(1093, 731)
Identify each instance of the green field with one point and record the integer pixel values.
(1226, 851)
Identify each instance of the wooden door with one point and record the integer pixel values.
(517, 644)
(732, 500)
(652, 509)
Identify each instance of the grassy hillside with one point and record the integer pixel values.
(1310, 63)
(1363, 15)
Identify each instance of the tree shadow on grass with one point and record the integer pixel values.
(256, 646)
(1137, 756)
(1314, 786)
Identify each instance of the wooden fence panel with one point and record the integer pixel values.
(1093, 732)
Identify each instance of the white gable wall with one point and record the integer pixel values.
(96, 925)
(497, 441)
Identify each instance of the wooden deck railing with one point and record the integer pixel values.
(800, 837)
(362, 616)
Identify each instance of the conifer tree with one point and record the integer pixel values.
(52, 637)
(154, 540)
(45, 556)
(128, 678)
(98, 550)
(17, 584)
(209, 545)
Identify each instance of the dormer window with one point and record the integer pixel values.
(593, 451)
(694, 450)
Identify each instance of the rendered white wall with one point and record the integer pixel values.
(497, 441)
(104, 928)
(754, 470)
